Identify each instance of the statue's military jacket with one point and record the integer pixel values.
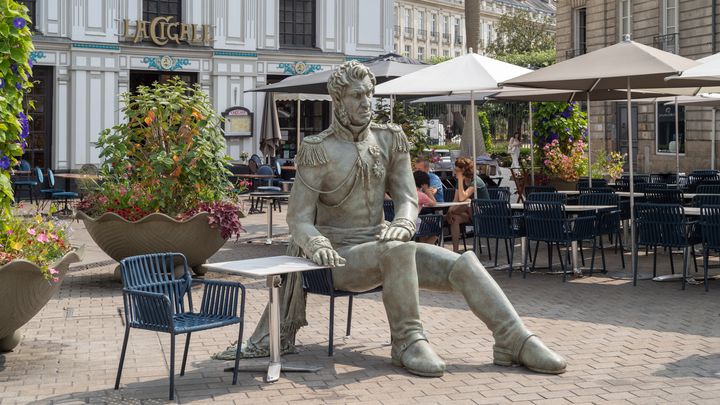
(341, 182)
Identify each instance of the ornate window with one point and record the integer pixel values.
(625, 18)
(162, 8)
(666, 141)
(297, 23)
(580, 31)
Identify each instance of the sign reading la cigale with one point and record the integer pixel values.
(162, 30)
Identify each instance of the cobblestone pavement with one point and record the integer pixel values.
(648, 344)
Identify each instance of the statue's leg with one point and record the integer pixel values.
(393, 265)
(441, 270)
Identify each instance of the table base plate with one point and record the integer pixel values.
(273, 369)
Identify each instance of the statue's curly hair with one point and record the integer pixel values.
(342, 77)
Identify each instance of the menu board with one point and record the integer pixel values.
(238, 122)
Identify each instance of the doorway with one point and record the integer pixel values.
(622, 131)
(147, 77)
(38, 151)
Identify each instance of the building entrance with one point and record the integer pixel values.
(147, 78)
(39, 142)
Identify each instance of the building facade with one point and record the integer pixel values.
(688, 28)
(88, 52)
(430, 28)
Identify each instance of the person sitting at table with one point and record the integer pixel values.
(465, 191)
(435, 183)
(426, 198)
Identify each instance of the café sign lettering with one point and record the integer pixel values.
(162, 30)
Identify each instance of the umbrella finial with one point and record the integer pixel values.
(626, 38)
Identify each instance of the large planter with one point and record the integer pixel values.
(24, 292)
(155, 233)
(562, 185)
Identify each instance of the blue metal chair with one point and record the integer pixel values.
(499, 193)
(701, 200)
(665, 225)
(547, 222)
(595, 190)
(320, 282)
(642, 187)
(585, 183)
(608, 222)
(494, 219)
(663, 196)
(546, 197)
(48, 192)
(449, 194)
(155, 299)
(430, 225)
(29, 184)
(708, 189)
(710, 226)
(389, 210)
(267, 171)
(538, 189)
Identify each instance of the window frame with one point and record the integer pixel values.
(32, 13)
(664, 22)
(178, 17)
(283, 35)
(576, 28)
(622, 17)
(682, 124)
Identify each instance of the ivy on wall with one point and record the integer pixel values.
(15, 82)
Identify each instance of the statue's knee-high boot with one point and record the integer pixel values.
(513, 342)
(410, 348)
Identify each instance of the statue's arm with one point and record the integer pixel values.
(401, 186)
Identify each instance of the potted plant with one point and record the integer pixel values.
(164, 179)
(560, 136)
(35, 254)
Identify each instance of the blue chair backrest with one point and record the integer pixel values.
(664, 196)
(539, 189)
(39, 176)
(449, 194)
(708, 189)
(430, 225)
(596, 190)
(51, 178)
(278, 168)
(265, 170)
(598, 199)
(661, 224)
(492, 218)
(499, 193)
(545, 221)
(388, 210)
(156, 273)
(706, 199)
(24, 165)
(255, 158)
(584, 183)
(547, 197)
(643, 187)
(710, 222)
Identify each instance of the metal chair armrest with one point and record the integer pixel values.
(148, 310)
(222, 298)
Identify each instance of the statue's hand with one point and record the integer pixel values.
(395, 232)
(328, 257)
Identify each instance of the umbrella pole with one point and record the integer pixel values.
(588, 142)
(712, 143)
(677, 142)
(532, 147)
(297, 136)
(472, 131)
(633, 257)
(392, 106)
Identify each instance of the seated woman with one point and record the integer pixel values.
(426, 198)
(462, 214)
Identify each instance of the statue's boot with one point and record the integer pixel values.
(514, 344)
(410, 348)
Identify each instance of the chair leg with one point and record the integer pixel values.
(582, 255)
(602, 254)
(535, 255)
(635, 267)
(550, 257)
(507, 250)
(122, 357)
(497, 242)
(685, 266)
(238, 351)
(512, 257)
(487, 240)
(654, 261)
(672, 262)
(562, 263)
(349, 315)
(526, 254)
(332, 322)
(622, 248)
(172, 366)
(705, 269)
(694, 257)
(185, 353)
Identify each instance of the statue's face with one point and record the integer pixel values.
(357, 101)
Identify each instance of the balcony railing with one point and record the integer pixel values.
(397, 31)
(408, 32)
(569, 54)
(422, 33)
(446, 38)
(434, 36)
(458, 39)
(667, 42)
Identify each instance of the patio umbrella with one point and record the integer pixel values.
(269, 127)
(467, 73)
(624, 65)
(384, 67)
(299, 97)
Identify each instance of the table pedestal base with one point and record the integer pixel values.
(273, 370)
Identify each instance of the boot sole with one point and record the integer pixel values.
(535, 369)
(420, 373)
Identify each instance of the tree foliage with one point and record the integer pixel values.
(15, 74)
(411, 121)
(519, 33)
(530, 60)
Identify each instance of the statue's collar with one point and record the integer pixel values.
(348, 133)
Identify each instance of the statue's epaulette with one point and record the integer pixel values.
(312, 152)
(400, 141)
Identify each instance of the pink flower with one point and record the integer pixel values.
(31, 231)
(9, 232)
(42, 238)
(56, 279)
(52, 236)
(54, 271)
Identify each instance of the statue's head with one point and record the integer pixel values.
(351, 88)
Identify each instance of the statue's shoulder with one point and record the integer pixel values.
(393, 132)
(312, 152)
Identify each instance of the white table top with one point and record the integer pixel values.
(688, 196)
(694, 211)
(571, 208)
(264, 266)
(449, 204)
